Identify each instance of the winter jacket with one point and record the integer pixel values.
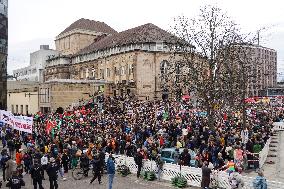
(52, 170)
(37, 172)
(259, 183)
(110, 166)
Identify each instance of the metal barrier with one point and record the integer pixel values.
(194, 175)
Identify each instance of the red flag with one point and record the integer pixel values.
(225, 117)
(49, 126)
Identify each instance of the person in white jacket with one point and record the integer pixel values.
(44, 162)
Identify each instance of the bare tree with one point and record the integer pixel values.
(210, 60)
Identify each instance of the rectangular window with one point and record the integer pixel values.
(108, 72)
(102, 74)
(22, 109)
(130, 69)
(17, 109)
(12, 109)
(122, 71)
(27, 109)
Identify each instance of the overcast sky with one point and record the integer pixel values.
(36, 22)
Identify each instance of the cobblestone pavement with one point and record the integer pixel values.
(129, 182)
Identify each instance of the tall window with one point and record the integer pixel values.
(122, 70)
(164, 67)
(108, 72)
(102, 74)
(12, 109)
(27, 109)
(130, 69)
(87, 73)
(22, 109)
(81, 73)
(17, 109)
(93, 73)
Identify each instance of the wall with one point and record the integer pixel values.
(147, 68)
(19, 98)
(70, 44)
(64, 94)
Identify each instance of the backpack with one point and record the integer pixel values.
(55, 151)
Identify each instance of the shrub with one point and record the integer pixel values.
(179, 182)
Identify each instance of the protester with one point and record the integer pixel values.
(96, 169)
(160, 164)
(3, 161)
(259, 182)
(37, 173)
(10, 167)
(15, 182)
(138, 161)
(236, 181)
(205, 179)
(110, 170)
(44, 163)
(52, 170)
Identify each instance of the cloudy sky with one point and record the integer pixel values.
(36, 22)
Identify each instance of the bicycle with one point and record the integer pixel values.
(79, 172)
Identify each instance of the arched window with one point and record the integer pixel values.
(87, 73)
(93, 73)
(81, 73)
(164, 67)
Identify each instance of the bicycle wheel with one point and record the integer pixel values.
(77, 173)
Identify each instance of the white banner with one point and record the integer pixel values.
(20, 123)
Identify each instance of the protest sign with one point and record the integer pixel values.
(20, 123)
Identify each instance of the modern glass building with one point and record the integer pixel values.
(3, 52)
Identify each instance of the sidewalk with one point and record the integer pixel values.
(274, 172)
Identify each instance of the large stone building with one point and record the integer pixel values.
(264, 68)
(33, 72)
(124, 63)
(3, 52)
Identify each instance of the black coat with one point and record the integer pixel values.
(52, 169)
(97, 165)
(37, 172)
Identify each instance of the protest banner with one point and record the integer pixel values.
(7, 117)
(20, 123)
(23, 123)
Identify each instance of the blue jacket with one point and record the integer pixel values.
(259, 183)
(110, 166)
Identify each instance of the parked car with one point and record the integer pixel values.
(168, 154)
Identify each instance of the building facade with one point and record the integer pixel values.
(127, 63)
(34, 71)
(66, 93)
(3, 52)
(23, 97)
(264, 70)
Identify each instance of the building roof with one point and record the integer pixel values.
(90, 25)
(148, 33)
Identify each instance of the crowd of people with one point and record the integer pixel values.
(140, 129)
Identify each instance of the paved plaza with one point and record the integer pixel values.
(274, 171)
(129, 182)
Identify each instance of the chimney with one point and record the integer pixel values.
(44, 47)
